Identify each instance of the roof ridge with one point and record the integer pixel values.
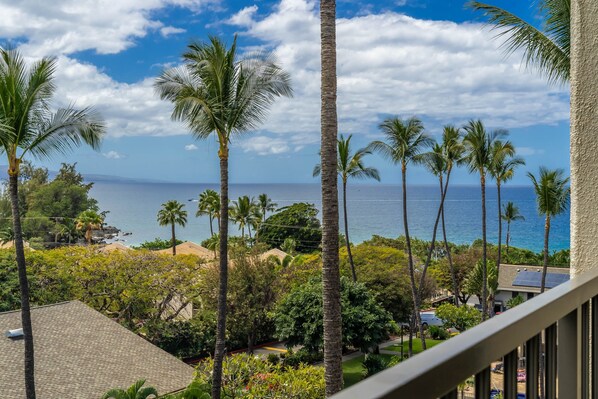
(42, 306)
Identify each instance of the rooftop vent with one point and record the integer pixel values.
(14, 334)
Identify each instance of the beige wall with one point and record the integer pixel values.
(584, 135)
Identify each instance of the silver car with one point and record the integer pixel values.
(430, 319)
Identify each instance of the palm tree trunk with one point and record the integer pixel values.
(249, 231)
(347, 231)
(545, 268)
(173, 240)
(414, 292)
(24, 288)
(484, 264)
(508, 238)
(333, 373)
(498, 259)
(432, 244)
(211, 224)
(446, 244)
(222, 289)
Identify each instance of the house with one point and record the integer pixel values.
(190, 248)
(277, 253)
(81, 354)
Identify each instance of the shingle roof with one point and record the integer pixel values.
(274, 252)
(507, 274)
(114, 246)
(190, 248)
(80, 354)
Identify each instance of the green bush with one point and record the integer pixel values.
(461, 318)
(157, 244)
(302, 356)
(273, 358)
(437, 332)
(373, 364)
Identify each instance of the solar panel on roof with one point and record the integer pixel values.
(534, 279)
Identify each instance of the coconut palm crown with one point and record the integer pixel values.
(170, 214)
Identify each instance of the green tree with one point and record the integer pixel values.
(510, 213)
(460, 317)
(28, 127)
(552, 197)
(209, 204)
(157, 244)
(502, 169)
(265, 205)
(478, 144)
(406, 141)
(546, 49)
(135, 391)
(217, 93)
(475, 284)
(350, 165)
(172, 213)
(243, 212)
(298, 222)
(88, 221)
(299, 317)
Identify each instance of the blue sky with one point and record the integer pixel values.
(430, 58)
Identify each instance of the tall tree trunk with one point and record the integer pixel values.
(222, 289)
(484, 254)
(414, 292)
(545, 268)
(173, 240)
(508, 238)
(498, 259)
(249, 231)
(446, 244)
(24, 288)
(347, 231)
(333, 373)
(211, 225)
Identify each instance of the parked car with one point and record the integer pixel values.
(430, 319)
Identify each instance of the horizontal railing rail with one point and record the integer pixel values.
(559, 317)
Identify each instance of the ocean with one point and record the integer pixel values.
(373, 209)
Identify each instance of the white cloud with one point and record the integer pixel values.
(67, 26)
(191, 147)
(263, 145)
(113, 155)
(244, 17)
(527, 151)
(171, 30)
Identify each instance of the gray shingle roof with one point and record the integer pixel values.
(80, 354)
(507, 274)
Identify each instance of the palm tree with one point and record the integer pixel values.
(216, 93)
(546, 49)
(243, 212)
(265, 205)
(333, 372)
(406, 141)
(172, 213)
(88, 221)
(510, 213)
(552, 196)
(350, 165)
(209, 204)
(502, 169)
(478, 145)
(28, 127)
(135, 391)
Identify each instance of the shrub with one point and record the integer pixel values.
(518, 300)
(461, 318)
(373, 364)
(302, 356)
(437, 332)
(273, 358)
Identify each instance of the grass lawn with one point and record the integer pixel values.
(352, 370)
(417, 346)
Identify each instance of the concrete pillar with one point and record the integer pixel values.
(584, 135)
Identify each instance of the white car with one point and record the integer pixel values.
(430, 319)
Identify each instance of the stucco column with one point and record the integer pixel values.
(584, 135)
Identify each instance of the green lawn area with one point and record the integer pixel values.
(352, 368)
(417, 345)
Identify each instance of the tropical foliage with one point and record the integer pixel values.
(298, 222)
(170, 214)
(135, 391)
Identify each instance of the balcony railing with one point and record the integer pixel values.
(563, 319)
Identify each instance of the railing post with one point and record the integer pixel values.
(482, 383)
(510, 364)
(585, 350)
(532, 360)
(568, 381)
(594, 347)
(550, 361)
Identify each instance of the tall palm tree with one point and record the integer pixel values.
(243, 212)
(478, 146)
(350, 165)
(265, 205)
(171, 214)
(217, 93)
(405, 143)
(510, 213)
(547, 49)
(333, 373)
(88, 221)
(552, 196)
(28, 127)
(502, 169)
(209, 204)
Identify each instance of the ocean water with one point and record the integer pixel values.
(373, 209)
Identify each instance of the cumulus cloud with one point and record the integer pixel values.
(244, 17)
(263, 145)
(171, 30)
(113, 155)
(191, 147)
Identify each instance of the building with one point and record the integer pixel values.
(190, 248)
(81, 354)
